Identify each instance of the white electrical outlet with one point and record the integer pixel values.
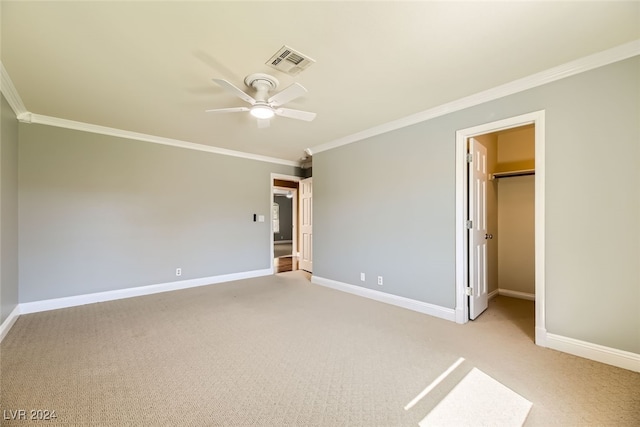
(362, 277)
(178, 272)
(380, 280)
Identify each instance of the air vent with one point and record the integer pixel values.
(289, 61)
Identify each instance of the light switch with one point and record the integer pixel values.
(260, 218)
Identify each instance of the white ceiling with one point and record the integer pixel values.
(147, 66)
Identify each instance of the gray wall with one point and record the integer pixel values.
(592, 205)
(100, 213)
(8, 211)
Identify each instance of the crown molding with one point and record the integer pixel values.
(10, 93)
(103, 130)
(572, 68)
(600, 59)
(13, 98)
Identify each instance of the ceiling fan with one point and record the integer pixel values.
(264, 107)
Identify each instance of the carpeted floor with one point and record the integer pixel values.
(280, 351)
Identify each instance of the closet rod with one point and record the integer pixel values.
(513, 173)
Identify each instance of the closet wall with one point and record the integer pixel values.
(516, 213)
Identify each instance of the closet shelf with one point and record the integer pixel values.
(513, 173)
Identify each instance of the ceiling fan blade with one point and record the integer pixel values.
(230, 87)
(263, 123)
(227, 110)
(288, 94)
(296, 114)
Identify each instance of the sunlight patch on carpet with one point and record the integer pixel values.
(434, 384)
(479, 400)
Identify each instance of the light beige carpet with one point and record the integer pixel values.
(280, 351)
(479, 400)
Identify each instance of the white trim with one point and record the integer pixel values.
(541, 336)
(13, 98)
(285, 177)
(517, 294)
(540, 227)
(103, 130)
(410, 304)
(581, 65)
(569, 69)
(536, 118)
(599, 353)
(76, 300)
(493, 294)
(9, 321)
(11, 93)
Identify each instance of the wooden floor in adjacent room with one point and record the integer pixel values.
(285, 263)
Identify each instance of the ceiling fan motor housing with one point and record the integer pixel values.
(262, 83)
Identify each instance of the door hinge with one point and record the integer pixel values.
(469, 157)
(469, 291)
(469, 224)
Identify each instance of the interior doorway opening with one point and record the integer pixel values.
(284, 223)
(501, 203)
(516, 174)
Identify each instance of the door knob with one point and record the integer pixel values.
(488, 236)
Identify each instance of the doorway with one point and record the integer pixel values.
(468, 275)
(284, 223)
(501, 169)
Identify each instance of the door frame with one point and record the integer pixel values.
(537, 118)
(294, 236)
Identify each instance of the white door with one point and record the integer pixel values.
(479, 298)
(306, 222)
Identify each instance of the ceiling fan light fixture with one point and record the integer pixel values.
(262, 112)
(264, 107)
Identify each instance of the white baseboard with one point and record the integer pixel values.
(282, 242)
(9, 321)
(411, 304)
(599, 353)
(517, 294)
(611, 356)
(541, 336)
(493, 293)
(54, 304)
